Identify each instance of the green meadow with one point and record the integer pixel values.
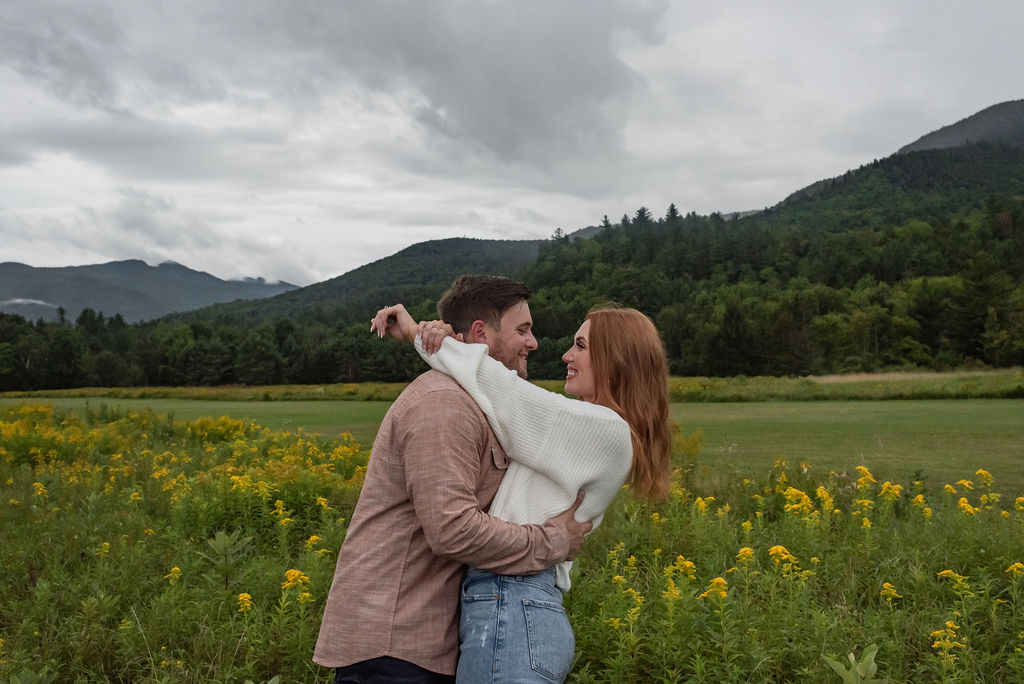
(191, 536)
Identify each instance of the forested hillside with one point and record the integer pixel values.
(907, 263)
(413, 274)
(914, 261)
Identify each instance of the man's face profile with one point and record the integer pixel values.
(514, 340)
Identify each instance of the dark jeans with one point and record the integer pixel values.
(387, 670)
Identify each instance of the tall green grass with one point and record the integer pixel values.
(145, 549)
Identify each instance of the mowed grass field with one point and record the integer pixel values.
(902, 440)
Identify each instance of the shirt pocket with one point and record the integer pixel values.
(493, 466)
(498, 456)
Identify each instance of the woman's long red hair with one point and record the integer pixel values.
(631, 378)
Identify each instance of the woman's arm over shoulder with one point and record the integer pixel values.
(544, 430)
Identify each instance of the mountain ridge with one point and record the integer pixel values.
(1000, 123)
(130, 288)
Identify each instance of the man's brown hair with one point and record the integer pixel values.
(479, 297)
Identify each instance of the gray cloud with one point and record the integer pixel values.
(152, 149)
(68, 48)
(301, 139)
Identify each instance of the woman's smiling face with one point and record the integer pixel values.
(579, 375)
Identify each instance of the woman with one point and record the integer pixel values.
(514, 628)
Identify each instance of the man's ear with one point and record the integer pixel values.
(477, 332)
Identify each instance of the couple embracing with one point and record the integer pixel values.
(481, 486)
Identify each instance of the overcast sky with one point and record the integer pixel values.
(297, 140)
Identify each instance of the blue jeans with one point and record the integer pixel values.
(513, 628)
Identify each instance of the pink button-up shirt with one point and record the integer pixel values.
(433, 471)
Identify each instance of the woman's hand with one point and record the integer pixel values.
(432, 334)
(395, 321)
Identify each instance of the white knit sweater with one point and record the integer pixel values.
(556, 445)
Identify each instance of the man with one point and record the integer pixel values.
(392, 614)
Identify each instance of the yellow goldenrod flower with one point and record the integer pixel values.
(747, 526)
(959, 581)
(827, 502)
(866, 479)
(285, 522)
(945, 641)
(990, 500)
(1019, 503)
(294, 578)
(865, 523)
(918, 501)
(637, 596)
(797, 501)
(312, 541)
(949, 489)
(966, 507)
(718, 587)
(40, 490)
(321, 502)
(103, 549)
(966, 484)
(890, 491)
(780, 554)
(135, 496)
(618, 579)
(174, 575)
(1016, 570)
(304, 598)
(745, 555)
(279, 507)
(984, 476)
(889, 592)
(244, 602)
(616, 623)
(683, 567)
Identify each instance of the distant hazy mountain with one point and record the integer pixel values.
(131, 288)
(1001, 123)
